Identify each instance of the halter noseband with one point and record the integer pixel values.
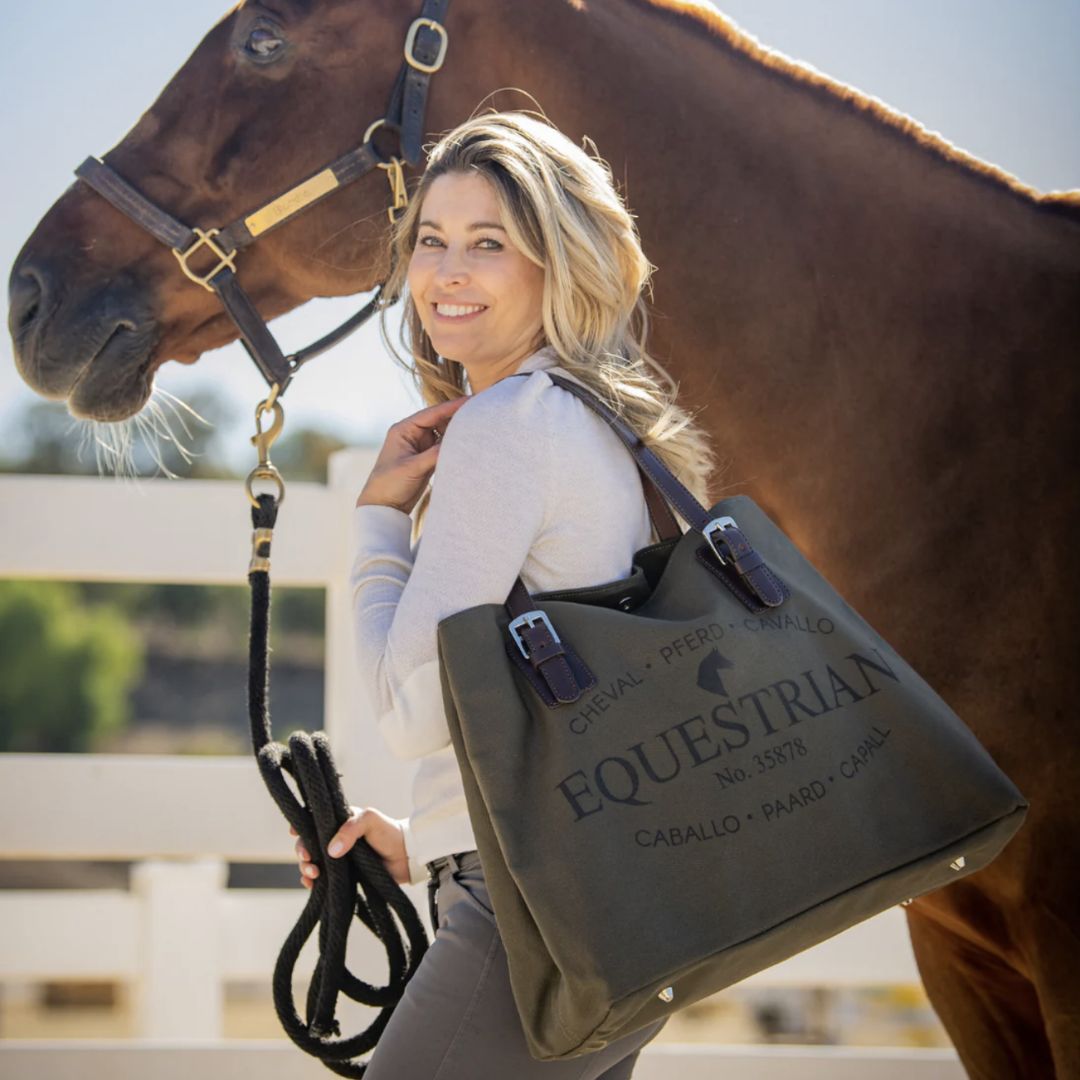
(425, 50)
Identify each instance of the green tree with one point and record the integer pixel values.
(65, 670)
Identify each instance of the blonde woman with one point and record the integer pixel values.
(516, 255)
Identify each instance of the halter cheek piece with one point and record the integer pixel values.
(425, 49)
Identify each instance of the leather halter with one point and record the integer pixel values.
(425, 50)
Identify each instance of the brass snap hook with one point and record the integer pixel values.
(262, 441)
(395, 175)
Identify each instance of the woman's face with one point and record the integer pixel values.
(463, 258)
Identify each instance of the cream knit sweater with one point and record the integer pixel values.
(529, 481)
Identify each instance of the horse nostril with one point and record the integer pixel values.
(25, 295)
(27, 316)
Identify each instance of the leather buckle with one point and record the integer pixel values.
(205, 239)
(717, 525)
(410, 42)
(530, 619)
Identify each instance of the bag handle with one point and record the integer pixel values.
(539, 645)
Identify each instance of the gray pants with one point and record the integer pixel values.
(457, 1019)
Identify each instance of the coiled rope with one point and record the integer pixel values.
(356, 884)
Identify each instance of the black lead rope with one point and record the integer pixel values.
(357, 883)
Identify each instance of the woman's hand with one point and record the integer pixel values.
(382, 832)
(408, 457)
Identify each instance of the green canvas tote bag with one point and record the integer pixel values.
(684, 776)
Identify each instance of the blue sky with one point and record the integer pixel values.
(998, 79)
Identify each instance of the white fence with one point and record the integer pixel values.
(179, 933)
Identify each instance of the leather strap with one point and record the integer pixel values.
(255, 335)
(349, 167)
(134, 204)
(756, 586)
(409, 110)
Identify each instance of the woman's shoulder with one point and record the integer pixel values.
(503, 429)
(514, 392)
(530, 408)
(507, 409)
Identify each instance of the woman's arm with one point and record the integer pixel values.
(486, 511)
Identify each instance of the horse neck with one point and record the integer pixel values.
(815, 250)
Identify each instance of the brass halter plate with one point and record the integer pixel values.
(288, 204)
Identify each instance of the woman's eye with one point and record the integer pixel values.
(483, 240)
(262, 42)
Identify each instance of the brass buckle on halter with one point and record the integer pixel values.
(225, 258)
(410, 41)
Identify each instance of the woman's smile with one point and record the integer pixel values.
(458, 312)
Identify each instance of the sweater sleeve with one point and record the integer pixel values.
(418, 871)
(486, 509)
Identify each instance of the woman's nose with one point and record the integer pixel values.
(452, 266)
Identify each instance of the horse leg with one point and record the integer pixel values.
(1053, 943)
(990, 1010)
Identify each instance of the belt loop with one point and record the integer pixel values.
(433, 911)
(437, 865)
(434, 869)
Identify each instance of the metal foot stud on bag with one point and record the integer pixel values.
(684, 776)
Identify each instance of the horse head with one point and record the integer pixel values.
(268, 97)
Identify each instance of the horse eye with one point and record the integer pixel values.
(263, 42)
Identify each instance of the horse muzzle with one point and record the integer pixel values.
(92, 348)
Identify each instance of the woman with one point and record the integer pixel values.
(519, 257)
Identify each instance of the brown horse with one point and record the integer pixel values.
(883, 328)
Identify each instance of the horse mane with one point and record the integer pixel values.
(723, 31)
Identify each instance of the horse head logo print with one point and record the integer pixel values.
(709, 675)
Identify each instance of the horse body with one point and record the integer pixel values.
(881, 332)
(884, 336)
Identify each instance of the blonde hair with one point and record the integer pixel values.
(561, 209)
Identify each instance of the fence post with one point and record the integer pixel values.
(179, 991)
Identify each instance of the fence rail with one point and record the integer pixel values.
(99, 1059)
